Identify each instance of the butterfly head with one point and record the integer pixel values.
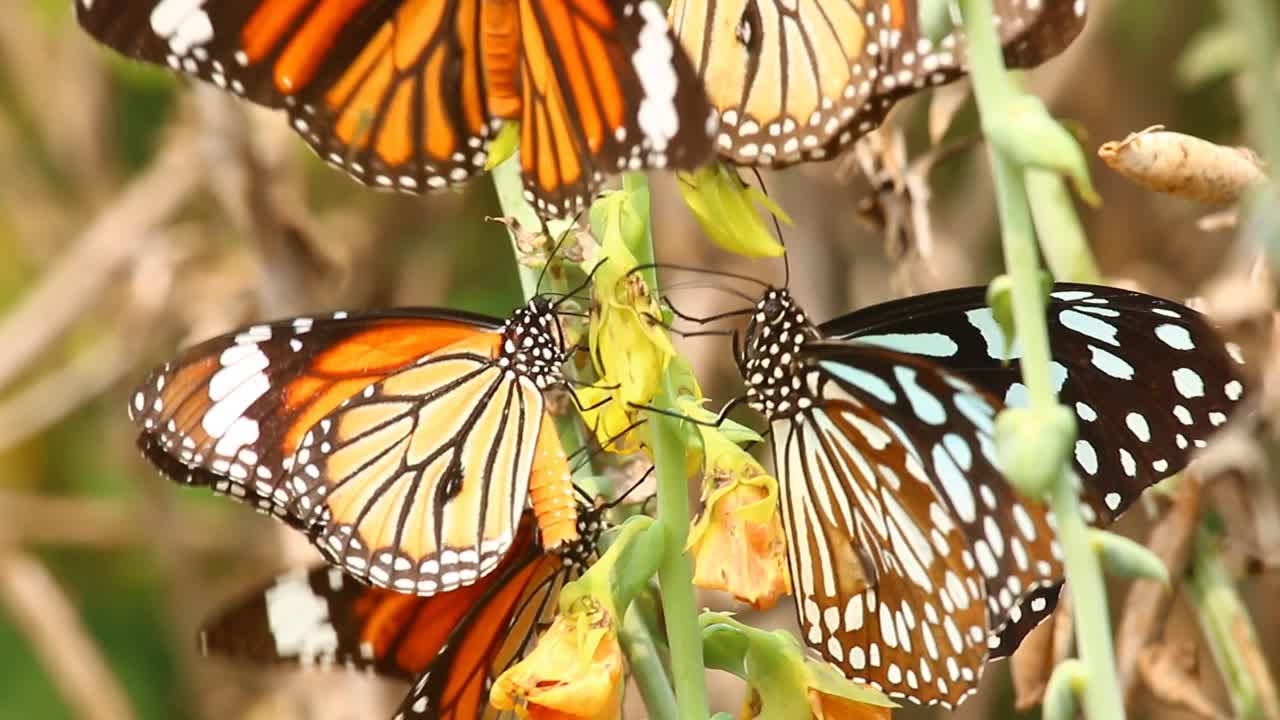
(775, 334)
(533, 343)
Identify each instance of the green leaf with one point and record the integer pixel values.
(1060, 693)
(1212, 53)
(726, 209)
(504, 144)
(724, 647)
(1031, 137)
(827, 679)
(1127, 558)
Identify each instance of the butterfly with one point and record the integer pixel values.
(912, 561)
(450, 646)
(406, 94)
(403, 443)
(798, 80)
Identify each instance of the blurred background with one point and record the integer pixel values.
(138, 213)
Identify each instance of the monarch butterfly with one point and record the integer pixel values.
(405, 94)
(912, 561)
(794, 81)
(404, 443)
(451, 645)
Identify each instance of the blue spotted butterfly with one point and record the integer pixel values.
(912, 561)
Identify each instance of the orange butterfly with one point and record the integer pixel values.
(405, 94)
(451, 646)
(405, 443)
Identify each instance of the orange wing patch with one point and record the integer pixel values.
(418, 481)
(411, 630)
(367, 357)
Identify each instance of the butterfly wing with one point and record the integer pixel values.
(908, 549)
(417, 481)
(1114, 352)
(391, 91)
(451, 645)
(605, 88)
(230, 412)
(405, 94)
(796, 80)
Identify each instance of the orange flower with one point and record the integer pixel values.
(835, 707)
(574, 672)
(737, 541)
(823, 707)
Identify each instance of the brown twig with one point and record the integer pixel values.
(1148, 601)
(102, 523)
(40, 404)
(257, 193)
(49, 620)
(79, 276)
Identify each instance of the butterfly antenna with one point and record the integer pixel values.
(709, 318)
(708, 285)
(623, 496)
(593, 452)
(581, 286)
(777, 229)
(555, 248)
(720, 417)
(705, 271)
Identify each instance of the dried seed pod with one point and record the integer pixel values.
(1184, 165)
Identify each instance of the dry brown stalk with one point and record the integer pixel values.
(52, 624)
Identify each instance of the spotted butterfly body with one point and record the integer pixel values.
(450, 646)
(912, 561)
(404, 444)
(407, 94)
(800, 80)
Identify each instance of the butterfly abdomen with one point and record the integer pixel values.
(500, 48)
(551, 490)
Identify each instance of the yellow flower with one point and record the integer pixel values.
(737, 540)
(629, 346)
(574, 672)
(726, 209)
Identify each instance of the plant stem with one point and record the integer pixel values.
(1066, 250)
(675, 574)
(510, 188)
(645, 663)
(994, 91)
(1228, 631)
(1256, 23)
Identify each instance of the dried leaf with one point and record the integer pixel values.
(1043, 649)
(945, 105)
(1169, 671)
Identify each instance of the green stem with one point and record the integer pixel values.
(644, 659)
(675, 574)
(1229, 633)
(994, 92)
(637, 642)
(1256, 21)
(1062, 239)
(510, 188)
